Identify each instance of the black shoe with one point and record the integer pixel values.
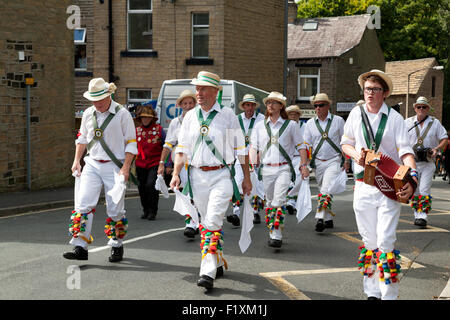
(151, 215)
(78, 253)
(145, 214)
(329, 224)
(290, 209)
(190, 232)
(116, 254)
(234, 220)
(320, 226)
(219, 272)
(274, 243)
(420, 222)
(373, 298)
(256, 218)
(205, 282)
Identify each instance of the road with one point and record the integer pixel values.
(161, 264)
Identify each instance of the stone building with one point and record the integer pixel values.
(35, 43)
(327, 55)
(424, 81)
(138, 44)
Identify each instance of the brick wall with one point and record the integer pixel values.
(38, 29)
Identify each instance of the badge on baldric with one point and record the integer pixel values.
(324, 135)
(98, 133)
(204, 130)
(273, 140)
(247, 139)
(420, 141)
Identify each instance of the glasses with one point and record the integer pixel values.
(422, 107)
(320, 105)
(373, 90)
(272, 102)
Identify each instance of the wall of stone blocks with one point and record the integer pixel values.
(38, 29)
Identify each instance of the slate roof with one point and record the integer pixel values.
(399, 70)
(333, 37)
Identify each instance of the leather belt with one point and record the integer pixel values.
(206, 168)
(275, 164)
(102, 161)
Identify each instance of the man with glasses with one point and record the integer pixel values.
(377, 215)
(323, 133)
(428, 138)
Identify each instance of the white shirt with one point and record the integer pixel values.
(435, 134)
(312, 136)
(395, 140)
(119, 135)
(291, 140)
(246, 122)
(224, 131)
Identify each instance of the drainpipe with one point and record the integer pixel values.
(110, 44)
(285, 47)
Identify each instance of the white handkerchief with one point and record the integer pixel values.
(76, 190)
(161, 186)
(117, 192)
(339, 184)
(184, 206)
(247, 224)
(303, 204)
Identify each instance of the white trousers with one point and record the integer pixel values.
(94, 176)
(212, 191)
(326, 173)
(276, 181)
(292, 194)
(426, 171)
(377, 219)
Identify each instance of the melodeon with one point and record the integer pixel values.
(386, 175)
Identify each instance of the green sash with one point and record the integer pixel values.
(325, 137)
(421, 139)
(273, 140)
(372, 143)
(250, 128)
(203, 136)
(98, 136)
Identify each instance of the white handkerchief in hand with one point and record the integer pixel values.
(76, 190)
(117, 192)
(247, 224)
(184, 206)
(161, 186)
(303, 204)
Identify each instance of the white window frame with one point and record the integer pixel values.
(81, 43)
(140, 11)
(84, 36)
(308, 76)
(192, 33)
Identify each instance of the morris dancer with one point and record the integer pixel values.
(376, 214)
(247, 121)
(210, 134)
(425, 133)
(186, 101)
(277, 139)
(107, 131)
(294, 113)
(323, 133)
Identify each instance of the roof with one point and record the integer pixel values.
(333, 37)
(399, 70)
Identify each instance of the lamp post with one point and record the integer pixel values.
(409, 77)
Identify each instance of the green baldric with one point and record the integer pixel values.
(250, 128)
(325, 137)
(98, 136)
(421, 139)
(372, 142)
(274, 140)
(203, 136)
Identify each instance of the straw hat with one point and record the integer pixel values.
(379, 73)
(145, 111)
(320, 97)
(248, 98)
(205, 78)
(99, 89)
(422, 101)
(294, 108)
(277, 97)
(185, 94)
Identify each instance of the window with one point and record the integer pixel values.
(79, 39)
(308, 83)
(433, 87)
(140, 29)
(200, 35)
(310, 25)
(136, 96)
